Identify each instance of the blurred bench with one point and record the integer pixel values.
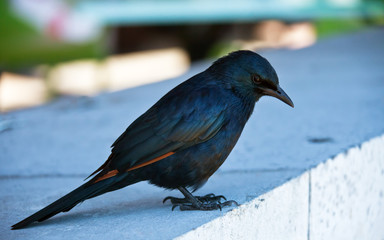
(171, 12)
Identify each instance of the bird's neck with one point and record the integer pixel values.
(248, 106)
(246, 99)
(244, 105)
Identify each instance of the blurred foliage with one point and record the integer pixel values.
(324, 28)
(329, 27)
(21, 45)
(222, 48)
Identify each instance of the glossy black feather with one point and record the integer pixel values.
(195, 125)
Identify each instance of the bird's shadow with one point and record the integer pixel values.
(122, 209)
(144, 205)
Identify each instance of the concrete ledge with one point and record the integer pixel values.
(278, 170)
(342, 198)
(347, 194)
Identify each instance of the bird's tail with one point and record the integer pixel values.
(66, 203)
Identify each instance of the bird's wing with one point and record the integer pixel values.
(179, 120)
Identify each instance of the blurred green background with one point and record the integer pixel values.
(170, 34)
(22, 45)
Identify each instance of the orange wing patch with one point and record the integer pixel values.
(115, 172)
(151, 161)
(107, 175)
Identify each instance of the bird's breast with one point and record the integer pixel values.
(193, 166)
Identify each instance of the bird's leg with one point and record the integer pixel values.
(190, 202)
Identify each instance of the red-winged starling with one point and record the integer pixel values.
(184, 138)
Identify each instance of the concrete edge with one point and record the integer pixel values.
(342, 198)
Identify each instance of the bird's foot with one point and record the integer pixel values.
(209, 198)
(207, 206)
(205, 203)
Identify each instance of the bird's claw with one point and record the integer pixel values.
(205, 203)
(167, 198)
(204, 206)
(209, 198)
(229, 203)
(175, 200)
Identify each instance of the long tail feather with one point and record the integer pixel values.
(85, 191)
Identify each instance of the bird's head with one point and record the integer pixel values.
(251, 75)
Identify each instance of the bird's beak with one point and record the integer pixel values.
(280, 94)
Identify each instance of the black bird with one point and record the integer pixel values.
(184, 138)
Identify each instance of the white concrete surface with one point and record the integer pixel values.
(337, 87)
(342, 198)
(347, 194)
(279, 214)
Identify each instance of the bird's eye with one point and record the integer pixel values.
(256, 78)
